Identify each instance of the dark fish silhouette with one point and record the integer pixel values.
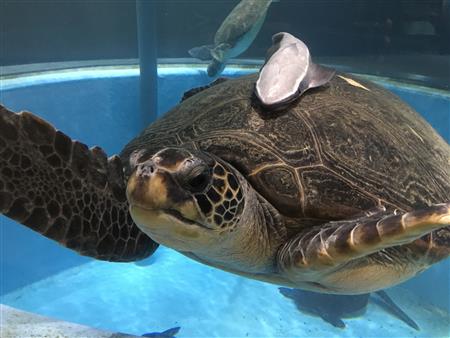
(332, 308)
(288, 72)
(166, 334)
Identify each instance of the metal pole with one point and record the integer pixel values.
(146, 32)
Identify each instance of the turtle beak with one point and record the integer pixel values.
(153, 191)
(160, 207)
(148, 186)
(153, 187)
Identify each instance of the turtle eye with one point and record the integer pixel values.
(198, 181)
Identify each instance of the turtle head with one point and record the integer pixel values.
(184, 199)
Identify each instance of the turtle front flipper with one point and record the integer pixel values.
(334, 256)
(65, 191)
(202, 52)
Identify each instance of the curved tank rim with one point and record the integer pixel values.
(13, 77)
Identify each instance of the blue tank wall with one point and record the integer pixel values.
(84, 30)
(100, 108)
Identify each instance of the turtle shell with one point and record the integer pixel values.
(341, 149)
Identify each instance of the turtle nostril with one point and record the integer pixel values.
(145, 169)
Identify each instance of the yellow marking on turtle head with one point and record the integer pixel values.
(152, 193)
(353, 82)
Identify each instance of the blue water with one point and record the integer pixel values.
(168, 289)
(205, 302)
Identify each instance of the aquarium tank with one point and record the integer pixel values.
(323, 213)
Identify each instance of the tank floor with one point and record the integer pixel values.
(17, 323)
(170, 290)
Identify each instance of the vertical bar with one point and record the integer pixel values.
(146, 32)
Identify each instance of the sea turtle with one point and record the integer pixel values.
(332, 308)
(236, 33)
(346, 192)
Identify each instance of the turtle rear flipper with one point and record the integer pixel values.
(202, 52)
(196, 90)
(320, 252)
(65, 191)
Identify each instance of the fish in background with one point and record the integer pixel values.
(332, 308)
(234, 36)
